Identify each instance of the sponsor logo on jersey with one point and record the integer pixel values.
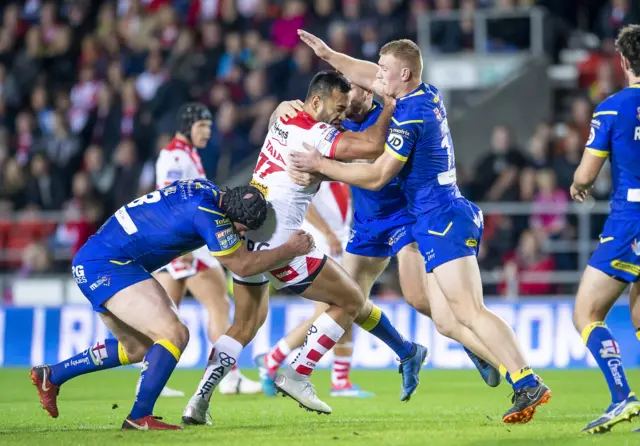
(273, 152)
(438, 114)
(78, 274)
(98, 353)
(227, 238)
(596, 123)
(635, 247)
(285, 274)
(104, 280)
(471, 243)
(592, 136)
(398, 131)
(436, 98)
(610, 349)
(331, 134)
(638, 113)
(397, 235)
(280, 134)
(396, 141)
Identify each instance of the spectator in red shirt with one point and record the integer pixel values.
(527, 260)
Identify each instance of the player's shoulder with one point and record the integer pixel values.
(302, 120)
(177, 145)
(419, 105)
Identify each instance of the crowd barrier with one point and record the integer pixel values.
(37, 335)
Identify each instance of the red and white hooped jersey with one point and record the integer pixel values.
(333, 203)
(178, 161)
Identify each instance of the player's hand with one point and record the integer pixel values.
(335, 247)
(318, 46)
(388, 101)
(300, 243)
(579, 194)
(289, 109)
(304, 179)
(308, 161)
(186, 259)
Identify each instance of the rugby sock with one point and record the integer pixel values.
(157, 366)
(104, 355)
(505, 374)
(222, 360)
(524, 378)
(340, 371)
(277, 355)
(638, 334)
(606, 352)
(321, 337)
(379, 325)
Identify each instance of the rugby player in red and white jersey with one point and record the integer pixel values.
(199, 271)
(328, 220)
(313, 276)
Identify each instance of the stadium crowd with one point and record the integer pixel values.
(89, 91)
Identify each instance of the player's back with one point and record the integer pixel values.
(178, 161)
(615, 132)
(390, 198)
(158, 227)
(270, 176)
(419, 135)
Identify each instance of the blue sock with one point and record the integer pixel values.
(104, 355)
(379, 325)
(523, 378)
(606, 352)
(157, 366)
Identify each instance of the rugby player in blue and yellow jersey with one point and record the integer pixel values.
(614, 135)
(448, 228)
(113, 270)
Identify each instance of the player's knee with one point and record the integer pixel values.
(179, 335)
(447, 326)
(134, 350)
(354, 301)
(584, 315)
(419, 303)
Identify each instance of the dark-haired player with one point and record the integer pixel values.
(313, 276)
(615, 135)
(113, 270)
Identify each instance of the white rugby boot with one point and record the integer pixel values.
(197, 412)
(236, 383)
(300, 389)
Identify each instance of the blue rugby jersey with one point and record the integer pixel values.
(388, 200)
(419, 136)
(615, 133)
(179, 218)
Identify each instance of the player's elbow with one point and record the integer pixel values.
(373, 149)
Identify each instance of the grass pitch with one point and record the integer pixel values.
(450, 408)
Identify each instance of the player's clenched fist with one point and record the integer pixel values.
(300, 243)
(318, 46)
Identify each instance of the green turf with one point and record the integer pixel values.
(450, 408)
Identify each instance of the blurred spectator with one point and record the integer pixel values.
(550, 205)
(581, 110)
(613, 16)
(43, 112)
(28, 64)
(149, 81)
(13, 189)
(285, 29)
(84, 98)
(44, 188)
(63, 148)
(323, 12)
(538, 157)
(128, 170)
(508, 34)
(607, 81)
(497, 172)
(105, 122)
(303, 67)
(101, 174)
(211, 51)
(567, 161)
(226, 142)
(36, 258)
(445, 31)
(25, 137)
(527, 259)
(259, 107)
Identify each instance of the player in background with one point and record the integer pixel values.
(448, 227)
(113, 271)
(615, 135)
(313, 276)
(199, 271)
(328, 220)
(382, 228)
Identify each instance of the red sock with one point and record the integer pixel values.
(322, 336)
(277, 355)
(340, 372)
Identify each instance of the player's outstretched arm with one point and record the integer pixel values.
(586, 174)
(360, 72)
(366, 176)
(368, 144)
(246, 263)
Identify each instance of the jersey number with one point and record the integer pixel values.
(265, 166)
(448, 145)
(153, 197)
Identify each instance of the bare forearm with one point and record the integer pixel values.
(358, 71)
(378, 132)
(363, 175)
(583, 178)
(260, 261)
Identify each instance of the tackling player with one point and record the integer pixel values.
(448, 228)
(615, 135)
(313, 276)
(382, 228)
(199, 271)
(113, 268)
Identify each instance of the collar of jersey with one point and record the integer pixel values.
(417, 92)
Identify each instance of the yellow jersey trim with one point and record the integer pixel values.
(417, 93)
(171, 348)
(443, 233)
(611, 112)
(395, 154)
(211, 211)
(115, 262)
(373, 319)
(586, 332)
(598, 153)
(122, 355)
(411, 121)
(605, 239)
(226, 252)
